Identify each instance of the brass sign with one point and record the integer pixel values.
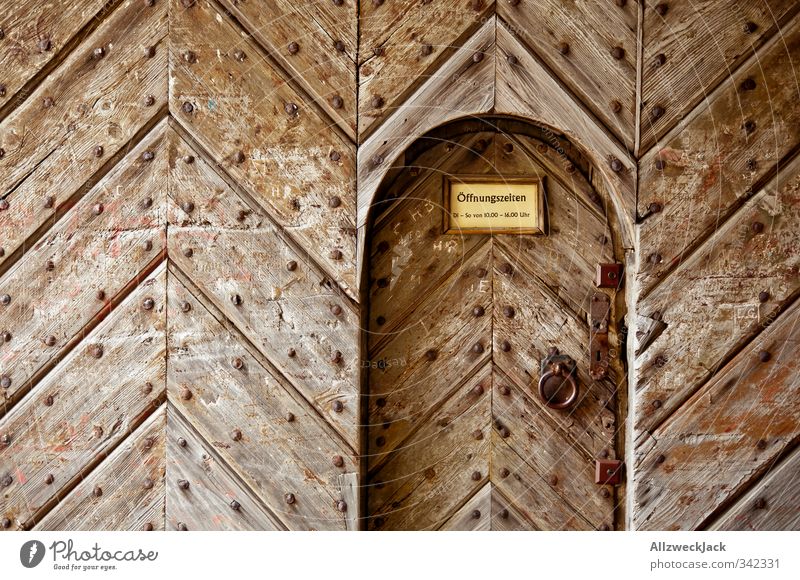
(481, 204)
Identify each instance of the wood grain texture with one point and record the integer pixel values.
(713, 303)
(725, 436)
(712, 162)
(527, 89)
(475, 515)
(213, 485)
(49, 142)
(132, 483)
(403, 43)
(422, 484)
(53, 288)
(591, 30)
(780, 492)
(505, 517)
(459, 88)
(34, 33)
(264, 134)
(702, 43)
(87, 405)
(244, 413)
(236, 251)
(304, 39)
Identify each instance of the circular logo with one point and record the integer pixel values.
(31, 553)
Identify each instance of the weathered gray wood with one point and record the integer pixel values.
(505, 517)
(278, 147)
(726, 435)
(54, 287)
(710, 164)
(49, 151)
(779, 490)
(526, 89)
(591, 30)
(213, 485)
(132, 483)
(237, 252)
(475, 515)
(711, 303)
(403, 43)
(702, 42)
(245, 414)
(96, 402)
(426, 480)
(349, 494)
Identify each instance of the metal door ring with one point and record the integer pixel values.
(558, 388)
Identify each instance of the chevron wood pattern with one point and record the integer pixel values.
(222, 269)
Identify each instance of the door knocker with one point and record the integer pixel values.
(558, 387)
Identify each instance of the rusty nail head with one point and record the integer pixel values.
(186, 393)
(293, 48)
(608, 471)
(45, 44)
(761, 444)
(49, 265)
(97, 491)
(289, 417)
(505, 346)
(147, 245)
(553, 480)
(660, 59)
(188, 252)
(50, 340)
(761, 503)
(763, 296)
(237, 362)
(661, 9)
(289, 498)
(563, 48)
(616, 165)
(764, 356)
(657, 112)
(100, 295)
(661, 459)
(749, 126)
(509, 312)
(148, 156)
(148, 303)
(757, 227)
(183, 484)
(660, 164)
(96, 351)
(334, 156)
(291, 265)
(336, 357)
(239, 157)
(147, 483)
(431, 354)
(187, 206)
(337, 102)
(618, 52)
(748, 84)
(182, 527)
(147, 202)
(338, 461)
(476, 476)
(181, 442)
(49, 478)
(239, 55)
(477, 348)
(337, 406)
(48, 401)
(335, 201)
(237, 300)
(291, 353)
(98, 208)
(185, 306)
(336, 254)
(341, 505)
(338, 2)
(477, 57)
(49, 201)
(377, 102)
(339, 46)
(616, 106)
(478, 311)
(504, 432)
(476, 514)
(426, 49)
(149, 51)
(505, 390)
(655, 207)
(750, 27)
(336, 310)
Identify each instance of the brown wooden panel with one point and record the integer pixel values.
(694, 46)
(262, 132)
(726, 292)
(50, 150)
(530, 494)
(87, 405)
(540, 322)
(726, 435)
(305, 39)
(213, 486)
(715, 158)
(473, 516)
(772, 504)
(526, 89)
(244, 413)
(590, 33)
(408, 388)
(403, 43)
(505, 517)
(131, 482)
(549, 451)
(237, 252)
(33, 33)
(423, 483)
(54, 287)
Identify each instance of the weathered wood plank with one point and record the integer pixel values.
(263, 133)
(403, 43)
(213, 485)
(287, 314)
(590, 33)
(725, 293)
(425, 481)
(460, 87)
(694, 46)
(780, 493)
(540, 322)
(271, 437)
(715, 157)
(349, 494)
(304, 40)
(505, 517)
(406, 386)
(473, 516)
(529, 492)
(131, 480)
(86, 405)
(106, 241)
(727, 434)
(551, 453)
(525, 88)
(33, 33)
(50, 149)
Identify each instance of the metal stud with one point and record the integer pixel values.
(605, 493)
(337, 102)
(337, 406)
(147, 483)
(49, 265)
(5, 299)
(654, 258)
(149, 51)
(148, 156)
(478, 311)
(657, 112)
(476, 476)
(49, 479)
(336, 310)
(757, 227)
(477, 348)
(339, 46)
(504, 432)
(761, 444)
(239, 157)
(148, 527)
(5, 439)
(616, 106)
(657, 404)
(188, 252)
(505, 346)
(98, 53)
(289, 417)
(239, 55)
(618, 52)
(293, 48)
(655, 207)
(96, 350)
(98, 208)
(186, 393)
(431, 354)
(334, 156)
(45, 44)
(660, 60)
(749, 27)
(507, 269)
(563, 48)
(764, 356)
(477, 57)
(426, 49)
(291, 265)
(763, 296)
(335, 201)
(289, 498)
(147, 388)
(336, 254)
(341, 505)
(100, 295)
(187, 107)
(377, 102)
(235, 505)
(6, 480)
(291, 353)
(183, 484)
(50, 340)
(98, 151)
(5, 382)
(477, 434)
(147, 245)
(97, 491)
(147, 203)
(48, 102)
(48, 401)
(236, 435)
(185, 306)
(181, 442)
(660, 164)
(237, 362)
(660, 361)
(661, 459)
(148, 303)
(5, 523)
(188, 159)
(760, 504)
(661, 9)
(338, 461)
(616, 165)
(290, 108)
(182, 527)
(336, 358)
(748, 84)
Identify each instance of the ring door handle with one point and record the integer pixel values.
(558, 387)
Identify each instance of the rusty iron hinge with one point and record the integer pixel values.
(608, 276)
(599, 311)
(608, 471)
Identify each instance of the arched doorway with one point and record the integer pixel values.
(459, 326)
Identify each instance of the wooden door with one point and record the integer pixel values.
(458, 325)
